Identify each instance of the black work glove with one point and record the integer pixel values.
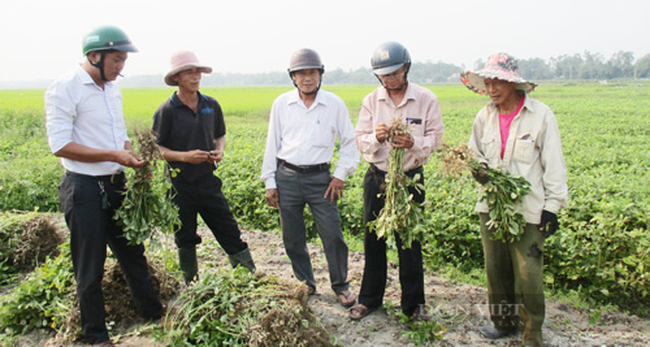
(481, 175)
(549, 224)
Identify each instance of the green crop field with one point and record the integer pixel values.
(602, 250)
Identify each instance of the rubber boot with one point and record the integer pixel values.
(188, 263)
(243, 258)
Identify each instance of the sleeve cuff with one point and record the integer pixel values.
(270, 183)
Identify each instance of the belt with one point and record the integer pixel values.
(374, 169)
(111, 178)
(305, 169)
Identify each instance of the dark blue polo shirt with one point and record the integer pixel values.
(179, 128)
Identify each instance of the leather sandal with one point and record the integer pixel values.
(346, 298)
(361, 310)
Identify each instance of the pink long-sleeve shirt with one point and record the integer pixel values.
(419, 108)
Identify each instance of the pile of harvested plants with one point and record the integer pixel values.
(147, 205)
(238, 308)
(400, 214)
(502, 192)
(26, 240)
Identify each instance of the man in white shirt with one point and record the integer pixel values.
(300, 144)
(85, 128)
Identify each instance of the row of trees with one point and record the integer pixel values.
(585, 66)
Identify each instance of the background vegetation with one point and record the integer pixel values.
(602, 250)
(578, 66)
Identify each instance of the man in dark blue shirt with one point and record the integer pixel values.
(191, 134)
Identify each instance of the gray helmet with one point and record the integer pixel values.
(304, 59)
(389, 57)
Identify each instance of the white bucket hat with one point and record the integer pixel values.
(184, 60)
(500, 66)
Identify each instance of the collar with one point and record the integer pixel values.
(294, 97)
(85, 77)
(528, 104)
(410, 94)
(176, 101)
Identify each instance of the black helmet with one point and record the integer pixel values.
(304, 59)
(389, 57)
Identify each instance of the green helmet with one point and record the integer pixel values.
(106, 38)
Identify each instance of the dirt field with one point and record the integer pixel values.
(459, 307)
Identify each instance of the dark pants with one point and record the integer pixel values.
(91, 229)
(411, 270)
(204, 197)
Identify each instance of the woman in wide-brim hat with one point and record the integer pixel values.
(519, 135)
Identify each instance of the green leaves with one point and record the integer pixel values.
(237, 308)
(44, 300)
(147, 204)
(503, 193)
(400, 214)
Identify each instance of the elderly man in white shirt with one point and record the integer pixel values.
(85, 128)
(300, 144)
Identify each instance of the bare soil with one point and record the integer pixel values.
(460, 307)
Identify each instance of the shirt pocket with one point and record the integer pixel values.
(524, 149)
(323, 136)
(415, 126)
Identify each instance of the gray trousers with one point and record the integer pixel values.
(295, 190)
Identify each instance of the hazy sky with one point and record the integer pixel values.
(41, 39)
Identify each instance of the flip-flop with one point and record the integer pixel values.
(362, 309)
(348, 296)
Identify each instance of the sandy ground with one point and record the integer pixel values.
(459, 307)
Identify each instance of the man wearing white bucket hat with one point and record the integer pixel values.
(519, 135)
(191, 134)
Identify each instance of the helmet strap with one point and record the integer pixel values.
(99, 64)
(320, 81)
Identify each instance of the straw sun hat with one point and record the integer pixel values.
(500, 66)
(184, 60)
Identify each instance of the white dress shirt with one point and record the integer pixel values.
(302, 136)
(79, 111)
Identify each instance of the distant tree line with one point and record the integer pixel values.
(585, 66)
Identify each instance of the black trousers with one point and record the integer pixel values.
(204, 197)
(92, 228)
(411, 271)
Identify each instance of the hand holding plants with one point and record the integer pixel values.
(400, 213)
(501, 191)
(147, 201)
